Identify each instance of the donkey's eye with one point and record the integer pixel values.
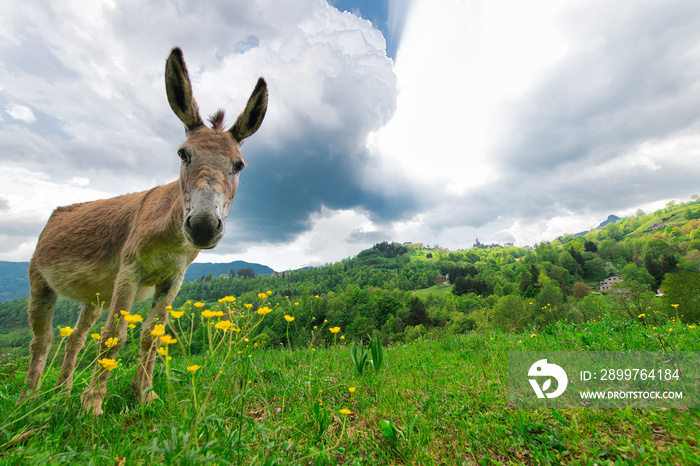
(238, 165)
(184, 155)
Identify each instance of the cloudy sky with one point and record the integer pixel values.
(434, 121)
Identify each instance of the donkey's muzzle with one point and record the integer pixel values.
(203, 230)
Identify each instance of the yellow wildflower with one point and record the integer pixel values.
(158, 330)
(224, 325)
(176, 314)
(168, 308)
(95, 336)
(133, 318)
(228, 299)
(262, 295)
(534, 335)
(264, 310)
(218, 313)
(207, 314)
(193, 368)
(162, 351)
(124, 313)
(351, 389)
(334, 329)
(248, 306)
(131, 325)
(641, 316)
(199, 304)
(345, 411)
(168, 339)
(269, 293)
(108, 364)
(65, 331)
(288, 318)
(111, 342)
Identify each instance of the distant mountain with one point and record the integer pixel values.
(611, 219)
(198, 269)
(14, 279)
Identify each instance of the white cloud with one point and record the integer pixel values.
(332, 235)
(21, 113)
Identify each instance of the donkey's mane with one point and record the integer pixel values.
(217, 120)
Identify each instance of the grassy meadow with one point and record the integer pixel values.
(442, 399)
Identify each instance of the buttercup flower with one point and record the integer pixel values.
(176, 314)
(199, 304)
(228, 299)
(641, 316)
(108, 364)
(248, 306)
(351, 389)
(158, 330)
(224, 325)
(131, 325)
(133, 318)
(218, 313)
(264, 310)
(95, 336)
(334, 329)
(167, 339)
(162, 351)
(288, 318)
(111, 342)
(207, 314)
(65, 331)
(345, 411)
(124, 313)
(269, 293)
(533, 335)
(262, 295)
(193, 368)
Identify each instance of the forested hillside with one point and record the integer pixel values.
(406, 292)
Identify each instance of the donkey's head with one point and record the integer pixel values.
(211, 157)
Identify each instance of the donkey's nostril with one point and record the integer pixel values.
(203, 229)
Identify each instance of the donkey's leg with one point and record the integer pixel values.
(41, 306)
(163, 297)
(74, 343)
(115, 327)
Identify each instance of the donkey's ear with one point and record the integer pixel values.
(179, 90)
(251, 118)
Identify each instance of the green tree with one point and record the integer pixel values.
(417, 315)
(683, 289)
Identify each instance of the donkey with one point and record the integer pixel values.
(136, 245)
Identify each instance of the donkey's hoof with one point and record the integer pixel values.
(91, 402)
(149, 397)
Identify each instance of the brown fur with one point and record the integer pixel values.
(132, 246)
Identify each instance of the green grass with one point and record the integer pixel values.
(437, 290)
(442, 401)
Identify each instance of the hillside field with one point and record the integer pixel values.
(441, 400)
